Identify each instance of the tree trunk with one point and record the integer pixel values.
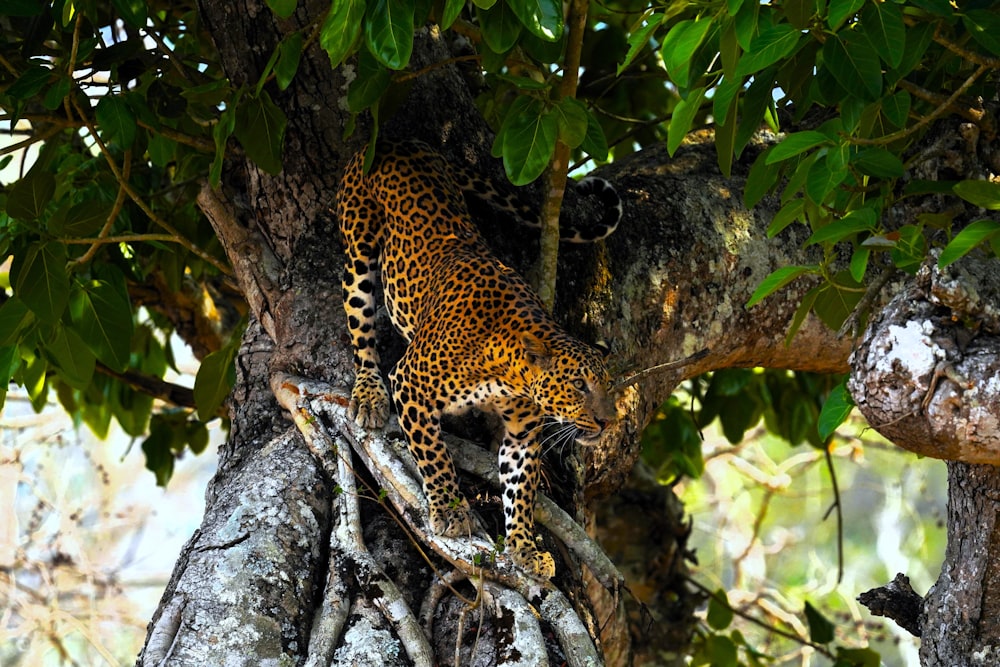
(311, 550)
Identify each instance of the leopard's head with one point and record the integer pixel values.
(570, 383)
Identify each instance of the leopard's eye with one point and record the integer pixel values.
(580, 385)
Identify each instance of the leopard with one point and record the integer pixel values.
(477, 335)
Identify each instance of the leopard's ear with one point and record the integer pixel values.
(536, 350)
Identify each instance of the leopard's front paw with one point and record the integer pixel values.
(369, 400)
(453, 520)
(539, 564)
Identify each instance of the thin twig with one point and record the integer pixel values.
(840, 515)
(134, 196)
(926, 120)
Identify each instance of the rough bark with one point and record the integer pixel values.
(301, 559)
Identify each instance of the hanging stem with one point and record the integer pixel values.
(555, 182)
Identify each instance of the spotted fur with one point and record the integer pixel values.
(478, 337)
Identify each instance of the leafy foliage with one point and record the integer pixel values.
(122, 128)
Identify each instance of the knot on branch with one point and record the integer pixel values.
(897, 600)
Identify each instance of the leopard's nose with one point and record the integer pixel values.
(601, 423)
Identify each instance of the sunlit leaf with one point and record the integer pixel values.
(528, 142)
(542, 18)
(855, 221)
(216, 377)
(985, 194)
(836, 408)
(974, 234)
(767, 48)
(683, 117)
(776, 280)
(341, 29)
(720, 614)
(639, 38)
(679, 46)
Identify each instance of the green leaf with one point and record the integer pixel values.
(836, 408)
(682, 118)
(282, 8)
(28, 198)
(841, 10)
(74, 360)
(220, 134)
(639, 38)
(116, 121)
(721, 651)
(793, 210)
(528, 142)
(985, 194)
(158, 452)
(984, 26)
(835, 300)
(30, 83)
(82, 220)
(571, 116)
(822, 181)
(897, 108)
(776, 280)
(761, 179)
(133, 11)
(452, 8)
(854, 64)
(542, 18)
(595, 144)
(14, 318)
(768, 47)
(820, 629)
(805, 307)
(857, 657)
(102, 314)
(42, 283)
(859, 263)
(388, 28)
(975, 233)
(500, 27)
(260, 128)
(884, 29)
(878, 162)
(795, 144)
(679, 47)
(215, 379)
(720, 614)
(197, 436)
(373, 79)
(289, 54)
(341, 29)
(859, 220)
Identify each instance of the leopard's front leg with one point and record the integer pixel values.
(519, 473)
(420, 421)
